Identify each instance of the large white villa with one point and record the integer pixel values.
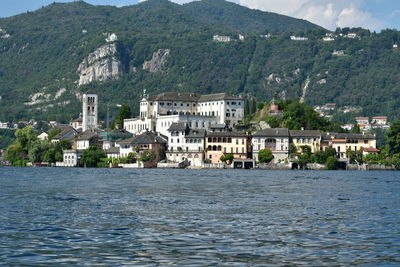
(159, 112)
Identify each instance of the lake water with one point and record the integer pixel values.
(115, 217)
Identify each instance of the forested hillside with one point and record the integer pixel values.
(161, 46)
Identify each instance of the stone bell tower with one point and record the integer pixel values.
(90, 114)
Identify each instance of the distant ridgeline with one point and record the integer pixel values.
(48, 57)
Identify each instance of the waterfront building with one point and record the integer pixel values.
(113, 152)
(222, 143)
(71, 158)
(344, 142)
(274, 139)
(147, 141)
(310, 138)
(185, 144)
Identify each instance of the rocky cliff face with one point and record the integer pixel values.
(100, 65)
(158, 61)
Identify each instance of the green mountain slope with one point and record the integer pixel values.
(235, 17)
(40, 53)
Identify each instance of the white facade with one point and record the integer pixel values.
(162, 123)
(328, 39)
(76, 124)
(90, 111)
(3, 125)
(124, 150)
(298, 38)
(71, 157)
(194, 122)
(379, 120)
(221, 38)
(43, 136)
(224, 110)
(138, 125)
(352, 35)
(82, 144)
(157, 113)
(276, 140)
(186, 145)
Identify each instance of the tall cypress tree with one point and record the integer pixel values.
(246, 107)
(253, 105)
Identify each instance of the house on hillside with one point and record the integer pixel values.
(380, 120)
(222, 39)
(298, 38)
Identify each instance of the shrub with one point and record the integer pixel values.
(265, 156)
(331, 163)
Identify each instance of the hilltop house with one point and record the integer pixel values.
(379, 120)
(298, 38)
(222, 39)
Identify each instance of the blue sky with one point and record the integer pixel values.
(371, 14)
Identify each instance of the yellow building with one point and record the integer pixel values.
(309, 138)
(223, 143)
(343, 142)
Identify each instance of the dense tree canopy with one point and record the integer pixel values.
(45, 48)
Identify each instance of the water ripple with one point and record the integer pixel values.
(59, 217)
